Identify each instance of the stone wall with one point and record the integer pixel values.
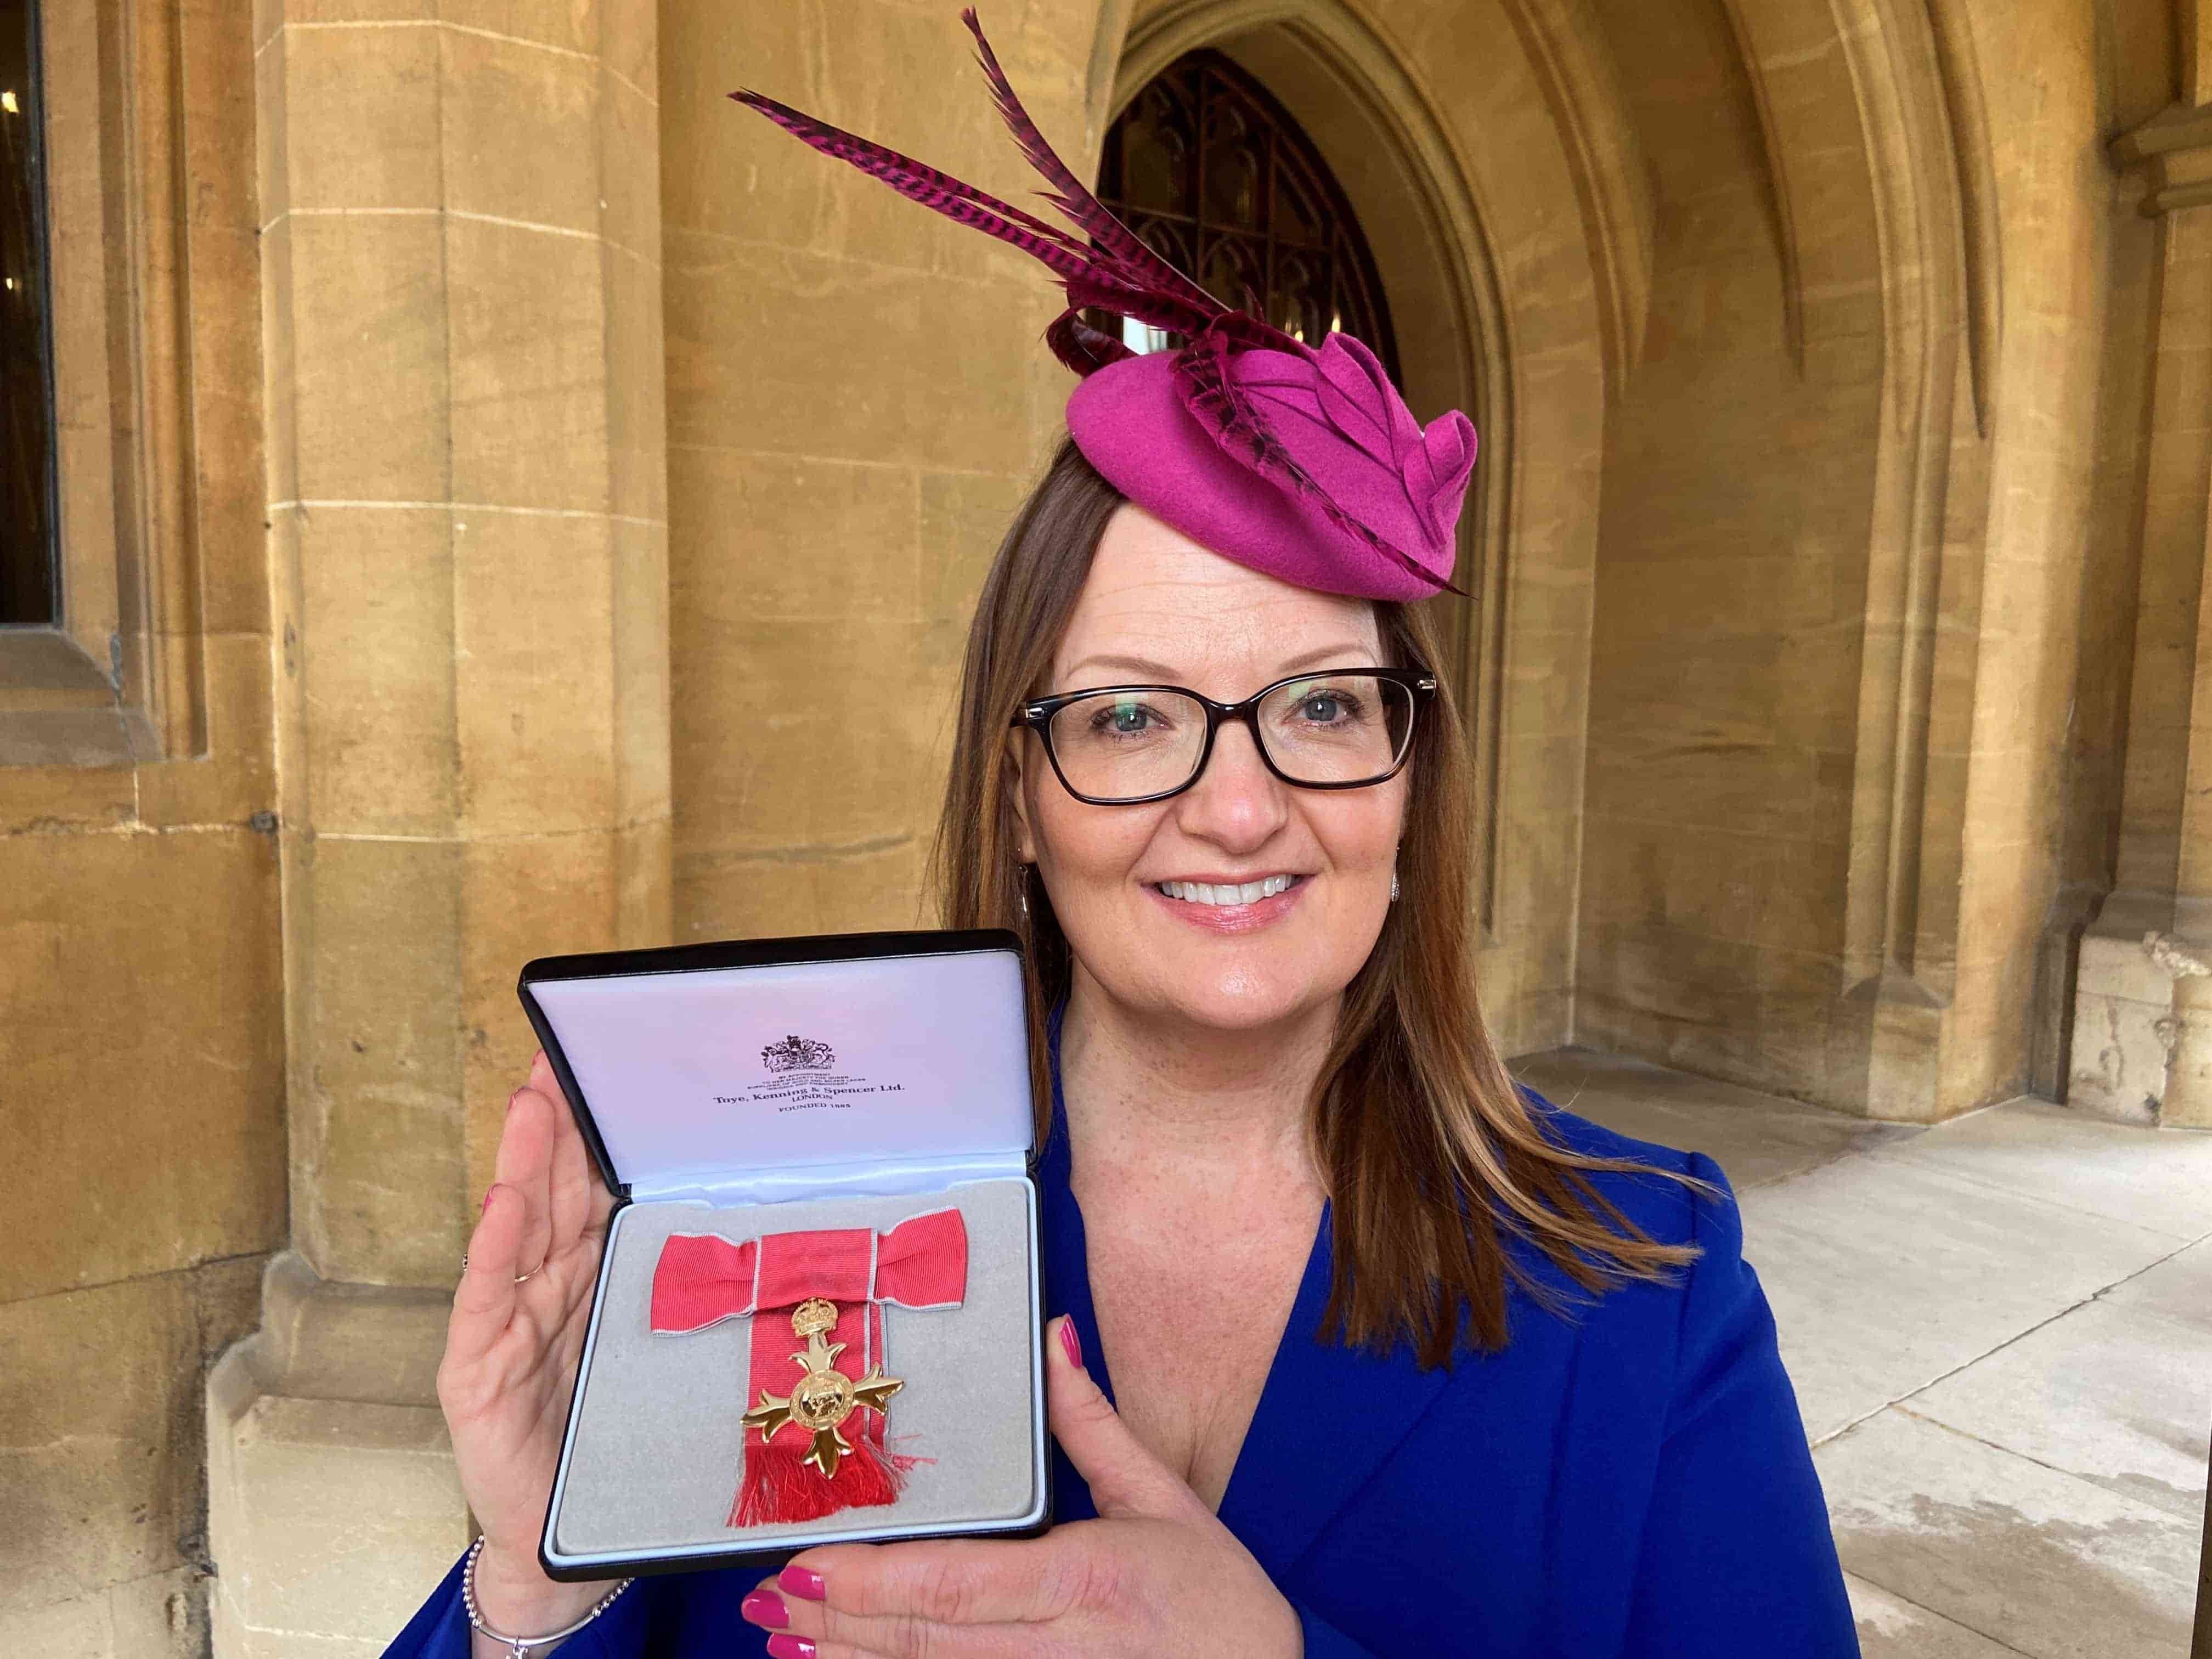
(467, 546)
(141, 1008)
(1732, 578)
(1852, 492)
(2061, 219)
(2141, 1023)
(857, 401)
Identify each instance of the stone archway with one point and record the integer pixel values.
(1876, 135)
(1497, 155)
(1476, 229)
(1835, 876)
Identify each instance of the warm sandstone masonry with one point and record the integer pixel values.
(856, 403)
(2142, 1010)
(461, 246)
(1834, 642)
(1835, 649)
(141, 1036)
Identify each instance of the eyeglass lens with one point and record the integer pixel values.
(1345, 728)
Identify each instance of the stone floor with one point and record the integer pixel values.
(2000, 1329)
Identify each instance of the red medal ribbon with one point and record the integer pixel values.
(704, 1278)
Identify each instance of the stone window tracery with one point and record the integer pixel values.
(1219, 178)
(29, 577)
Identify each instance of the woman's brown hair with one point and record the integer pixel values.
(1433, 1161)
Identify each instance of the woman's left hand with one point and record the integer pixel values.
(1157, 1573)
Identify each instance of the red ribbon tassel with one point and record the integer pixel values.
(704, 1278)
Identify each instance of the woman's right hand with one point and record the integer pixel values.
(511, 1349)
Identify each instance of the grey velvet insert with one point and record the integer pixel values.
(659, 1444)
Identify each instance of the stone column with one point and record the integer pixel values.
(468, 544)
(2142, 1013)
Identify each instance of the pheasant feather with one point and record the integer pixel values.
(1115, 240)
(1113, 271)
(940, 191)
(1105, 266)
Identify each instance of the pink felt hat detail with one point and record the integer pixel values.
(1302, 463)
(1343, 425)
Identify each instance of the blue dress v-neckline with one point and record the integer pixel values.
(1067, 1290)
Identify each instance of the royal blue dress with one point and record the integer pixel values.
(1629, 1483)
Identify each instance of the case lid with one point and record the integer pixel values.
(770, 1068)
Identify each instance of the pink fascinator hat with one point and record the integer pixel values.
(1302, 463)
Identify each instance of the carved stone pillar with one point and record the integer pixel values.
(468, 547)
(2141, 1045)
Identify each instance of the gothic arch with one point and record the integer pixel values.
(1891, 246)
(1518, 210)
(1477, 226)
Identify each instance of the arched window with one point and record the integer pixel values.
(29, 581)
(1215, 175)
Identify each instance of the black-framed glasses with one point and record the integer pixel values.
(1122, 745)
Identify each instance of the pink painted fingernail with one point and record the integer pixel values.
(1072, 1342)
(787, 1646)
(488, 1191)
(764, 1608)
(803, 1581)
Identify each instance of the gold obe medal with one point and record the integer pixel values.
(823, 1397)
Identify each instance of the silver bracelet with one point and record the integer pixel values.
(518, 1647)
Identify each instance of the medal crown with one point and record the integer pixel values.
(797, 1053)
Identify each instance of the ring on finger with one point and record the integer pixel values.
(518, 1277)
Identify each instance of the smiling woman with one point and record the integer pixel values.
(1135, 898)
(1358, 1349)
(1153, 595)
